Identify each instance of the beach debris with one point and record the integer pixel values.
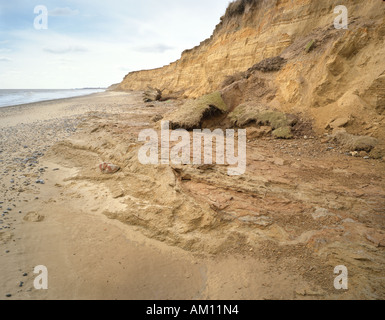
(157, 118)
(152, 94)
(108, 168)
(33, 217)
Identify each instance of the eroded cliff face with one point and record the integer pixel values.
(342, 76)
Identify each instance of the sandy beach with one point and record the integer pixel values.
(88, 256)
(140, 234)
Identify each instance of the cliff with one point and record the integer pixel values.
(330, 73)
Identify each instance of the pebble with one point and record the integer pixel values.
(8, 295)
(40, 181)
(25, 274)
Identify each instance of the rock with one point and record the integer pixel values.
(152, 94)
(157, 118)
(257, 133)
(108, 168)
(355, 143)
(8, 295)
(377, 153)
(40, 182)
(378, 238)
(338, 123)
(283, 133)
(116, 194)
(33, 217)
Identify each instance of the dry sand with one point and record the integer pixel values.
(79, 222)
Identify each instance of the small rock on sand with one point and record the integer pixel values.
(108, 168)
(33, 217)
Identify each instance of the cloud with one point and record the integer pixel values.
(62, 12)
(156, 48)
(64, 50)
(5, 59)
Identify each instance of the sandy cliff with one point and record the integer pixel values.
(342, 75)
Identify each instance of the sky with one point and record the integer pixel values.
(95, 43)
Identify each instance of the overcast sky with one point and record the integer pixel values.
(95, 43)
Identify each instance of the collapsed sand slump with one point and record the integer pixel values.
(194, 112)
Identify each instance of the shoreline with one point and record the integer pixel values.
(39, 103)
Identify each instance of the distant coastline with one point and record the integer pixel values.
(14, 97)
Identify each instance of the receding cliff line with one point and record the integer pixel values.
(249, 32)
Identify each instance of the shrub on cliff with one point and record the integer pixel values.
(238, 7)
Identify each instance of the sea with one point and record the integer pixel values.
(13, 97)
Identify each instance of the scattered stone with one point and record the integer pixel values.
(157, 118)
(283, 133)
(257, 133)
(108, 168)
(33, 217)
(117, 194)
(40, 182)
(8, 295)
(355, 143)
(338, 123)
